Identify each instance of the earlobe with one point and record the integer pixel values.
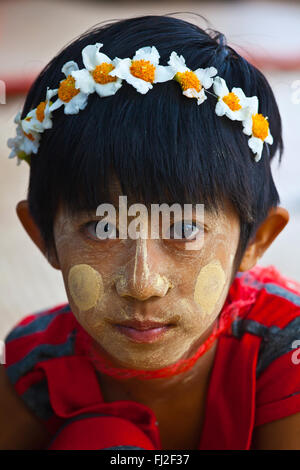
(33, 231)
(266, 233)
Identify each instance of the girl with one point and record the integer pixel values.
(167, 342)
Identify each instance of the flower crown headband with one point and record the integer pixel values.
(104, 76)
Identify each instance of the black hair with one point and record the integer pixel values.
(162, 146)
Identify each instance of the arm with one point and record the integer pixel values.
(283, 434)
(19, 428)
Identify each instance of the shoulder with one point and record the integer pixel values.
(39, 336)
(273, 321)
(269, 288)
(274, 314)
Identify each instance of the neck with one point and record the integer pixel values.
(155, 390)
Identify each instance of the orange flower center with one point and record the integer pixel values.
(100, 73)
(232, 101)
(29, 136)
(143, 69)
(260, 126)
(67, 89)
(188, 80)
(40, 111)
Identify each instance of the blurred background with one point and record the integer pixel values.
(267, 33)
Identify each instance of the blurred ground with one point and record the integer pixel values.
(31, 32)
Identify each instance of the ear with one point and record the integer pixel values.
(266, 233)
(34, 233)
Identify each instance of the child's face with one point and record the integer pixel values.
(109, 282)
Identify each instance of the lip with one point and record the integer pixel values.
(145, 325)
(143, 336)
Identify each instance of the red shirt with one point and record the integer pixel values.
(255, 377)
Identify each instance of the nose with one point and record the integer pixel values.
(138, 279)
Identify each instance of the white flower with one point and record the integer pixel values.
(96, 75)
(143, 69)
(23, 145)
(39, 118)
(257, 126)
(193, 83)
(234, 104)
(68, 95)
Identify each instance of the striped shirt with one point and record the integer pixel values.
(255, 377)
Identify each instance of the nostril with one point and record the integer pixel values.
(143, 288)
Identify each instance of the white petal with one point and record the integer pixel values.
(147, 53)
(163, 74)
(239, 93)
(249, 111)
(141, 85)
(89, 55)
(269, 139)
(30, 147)
(220, 108)
(122, 68)
(177, 63)
(247, 125)
(239, 115)
(19, 130)
(108, 89)
(252, 102)
(117, 60)
(249, 105)
(12, 154)
(32, 125)
(69, 67)
(35, 148)
(11, 142)
(201, 97)
(57, 104)
(47, 122)
(205, 76)
(256, 146)
(17, 117)
(51, 93)
(212, 71)
(219, 86)
(84, 81)
(76, 103)
(102, 58)
(190, 93)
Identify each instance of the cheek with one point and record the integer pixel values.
(209, 286)
(85, 286)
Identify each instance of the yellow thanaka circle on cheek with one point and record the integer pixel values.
(85, 286)
(209, 286)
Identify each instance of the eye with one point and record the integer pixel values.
(101, 230)
(186, 231)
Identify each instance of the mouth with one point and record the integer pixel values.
(144, 332)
